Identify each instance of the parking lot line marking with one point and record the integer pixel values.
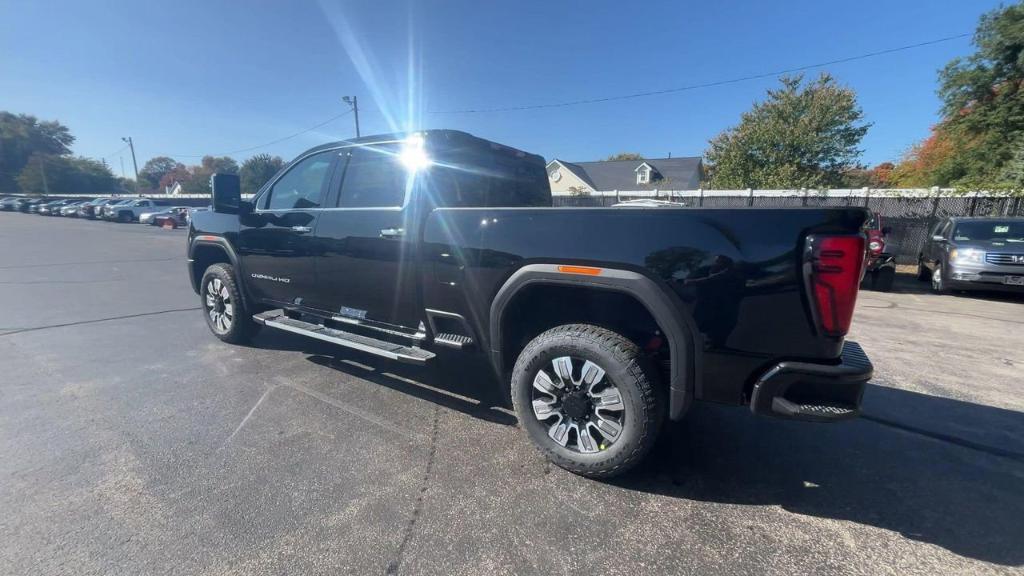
(371, 418)
(249, 415)
(90, 263)
(12, 331)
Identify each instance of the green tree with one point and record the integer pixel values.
(256, 171)
(801, 136)
(199, 183)
(625, 156)
(22, 136)
(65, 175)
(155, 169)
(983, 101)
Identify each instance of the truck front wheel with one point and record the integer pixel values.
(588, 399)
(225, 313)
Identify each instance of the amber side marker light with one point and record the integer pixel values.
(585, 270)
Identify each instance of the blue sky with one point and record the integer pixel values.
(199, 77)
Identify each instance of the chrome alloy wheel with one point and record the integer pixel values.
(583, 410)
(219, 306)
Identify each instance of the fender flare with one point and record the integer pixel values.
(664, 306)
(223, 244)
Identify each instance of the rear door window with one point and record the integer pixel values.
(374, 177)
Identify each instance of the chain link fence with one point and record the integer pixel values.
(910, 214)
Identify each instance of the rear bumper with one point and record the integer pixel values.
(814, 392)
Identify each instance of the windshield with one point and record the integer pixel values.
(1006, 231)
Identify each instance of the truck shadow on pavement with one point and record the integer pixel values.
(462, 382)
(922, 469)
(936, 470)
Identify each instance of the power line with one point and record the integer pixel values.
(119, 150)
(250, 148)
(706, 84)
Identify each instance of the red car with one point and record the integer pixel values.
(880, 268)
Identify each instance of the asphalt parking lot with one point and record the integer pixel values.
(134, 442)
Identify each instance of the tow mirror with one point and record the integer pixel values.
(227, 193)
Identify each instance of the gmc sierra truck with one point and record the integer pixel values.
(603, 322)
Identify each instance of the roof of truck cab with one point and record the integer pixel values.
(433, 135)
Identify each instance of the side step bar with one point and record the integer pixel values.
(277, 319)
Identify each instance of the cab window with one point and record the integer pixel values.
(302, 186)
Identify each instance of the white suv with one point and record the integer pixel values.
(128, 210)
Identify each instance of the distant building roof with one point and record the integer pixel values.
(683, 173)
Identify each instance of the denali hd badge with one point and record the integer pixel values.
(271, 278)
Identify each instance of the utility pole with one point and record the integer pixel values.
(134, 163)
(354, 103)
(42, 168)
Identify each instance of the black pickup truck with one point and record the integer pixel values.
(605, 322)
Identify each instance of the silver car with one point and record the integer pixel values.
(974, 253)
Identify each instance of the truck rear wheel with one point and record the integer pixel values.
(223, 308)
(588, 399)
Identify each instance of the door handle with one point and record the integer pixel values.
(301, 229)
(392, 232)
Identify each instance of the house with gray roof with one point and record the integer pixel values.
(683, 173)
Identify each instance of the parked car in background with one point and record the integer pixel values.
(30, 205)
(71, 209)
(128, 210)
(147, 217)
(92, 209)
(974, 254)
(880, 268)
(49, 208)
(173, 218)
(7, 203)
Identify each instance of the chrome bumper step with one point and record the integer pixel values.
(278, 319)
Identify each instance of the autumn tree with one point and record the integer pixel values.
(155, 169)
(932, 162)
(199, 183)
(804, 135)
(180, 173)
(983, 104)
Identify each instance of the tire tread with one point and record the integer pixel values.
(642, 373)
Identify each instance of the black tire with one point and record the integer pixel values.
(234, 325)
(883, 279)
(939, 284)
(923, 274)
(626, 371)
(124, 217)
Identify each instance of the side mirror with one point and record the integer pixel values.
(886, 230)
(227, 193)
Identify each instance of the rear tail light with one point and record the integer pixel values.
(833, 267)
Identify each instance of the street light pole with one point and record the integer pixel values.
(134, 163)
(353, 101)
